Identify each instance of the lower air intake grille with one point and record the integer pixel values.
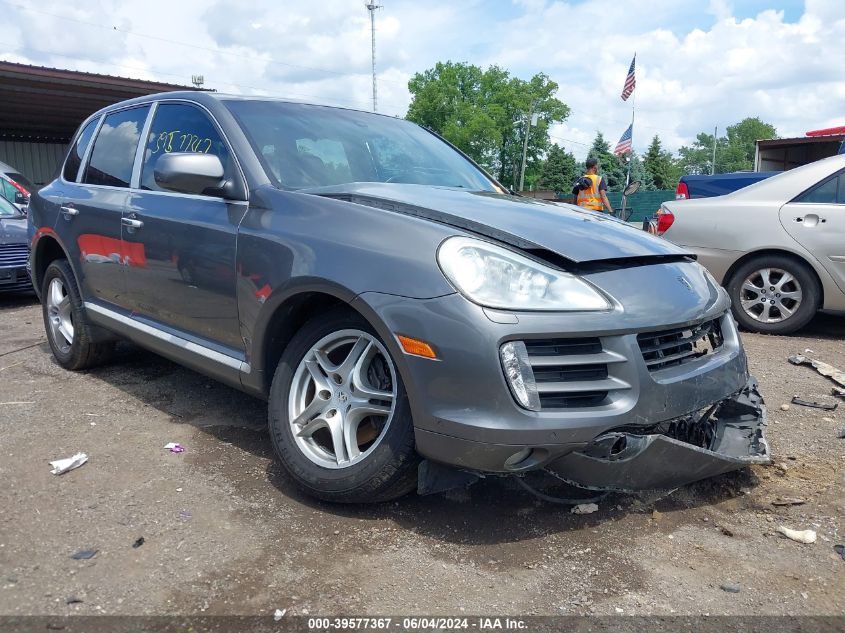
(572, 373)
(680, 345)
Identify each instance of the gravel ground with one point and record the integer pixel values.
(225, 532)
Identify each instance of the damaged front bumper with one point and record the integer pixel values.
(727, 436)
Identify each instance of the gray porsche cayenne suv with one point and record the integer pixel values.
(408, 319)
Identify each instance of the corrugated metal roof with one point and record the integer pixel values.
(38, 102)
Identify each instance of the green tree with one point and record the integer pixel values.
(734, 152)
(741, 144)
(697, 158)
(484, 113)
(639, 172)
(660, 165)
(559, 171)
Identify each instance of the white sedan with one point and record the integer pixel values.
(778, 246)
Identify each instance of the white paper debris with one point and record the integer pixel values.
(801, 536)
(279, 614)
(68, 463)
(585, 508)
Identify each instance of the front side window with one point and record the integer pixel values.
(114, 148)
(831, 191)
(77, 152)
(305, 146)
(179, 127)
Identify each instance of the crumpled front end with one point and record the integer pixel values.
(726, 436)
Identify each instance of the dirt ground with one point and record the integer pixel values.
(225, 532)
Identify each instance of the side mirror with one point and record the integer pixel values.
(190, 173)
(632, 188)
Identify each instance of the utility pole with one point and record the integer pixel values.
(371, 7)
(531, 120)
(713, 164)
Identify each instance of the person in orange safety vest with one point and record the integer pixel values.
(594, 194)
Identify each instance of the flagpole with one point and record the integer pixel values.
(633, 114)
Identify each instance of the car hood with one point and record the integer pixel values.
(576, 234)
(13, 231)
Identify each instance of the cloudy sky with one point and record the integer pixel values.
(700, 63)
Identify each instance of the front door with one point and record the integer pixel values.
(816, 219)
(185, 280)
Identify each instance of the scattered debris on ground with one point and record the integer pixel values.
(840, 549)
(814, 405)
(279, 614)
(585, 508)
(61, 466)
(85, 554)
(800, 536)
(788, 501)
(729, 587)
(829, 371)
(174, 447)
(138, 542)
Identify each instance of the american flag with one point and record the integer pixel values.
(630, 81)
(624, 144)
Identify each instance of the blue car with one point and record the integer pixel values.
(14, 249)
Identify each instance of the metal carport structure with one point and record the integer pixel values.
(41, 108)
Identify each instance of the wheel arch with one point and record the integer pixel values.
(47, 249)
(780, 253)
(288, 316)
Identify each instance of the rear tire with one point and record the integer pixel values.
(332, 376)
(69, 332)
(774, 294)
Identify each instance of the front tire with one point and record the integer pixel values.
(69, 332)
(339, 416)
(774, 294)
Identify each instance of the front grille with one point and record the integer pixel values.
(13, 255)
(680, 345)
(572, 373)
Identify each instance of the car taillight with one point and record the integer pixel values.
(19, 188)
(665, 219)
(682, 191)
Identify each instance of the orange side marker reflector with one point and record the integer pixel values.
(416, 347)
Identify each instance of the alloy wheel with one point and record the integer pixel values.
(60, 315)
(770, 295)
(342, 398)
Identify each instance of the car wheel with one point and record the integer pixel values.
(774, 294)
(69, 332)
(339, 416)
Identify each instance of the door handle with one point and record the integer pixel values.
(810, 220)
(131, 223)
(69, 212)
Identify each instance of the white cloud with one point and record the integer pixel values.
(698, 65)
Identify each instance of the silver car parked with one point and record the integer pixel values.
(777, 246)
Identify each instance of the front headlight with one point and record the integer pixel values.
(496, 277)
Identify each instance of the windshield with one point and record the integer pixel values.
(8, 210)
(305, 146)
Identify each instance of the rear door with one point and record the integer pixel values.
(182, 271)
(90, 212)
(816, 219)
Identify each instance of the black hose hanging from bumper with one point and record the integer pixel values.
(560, 500)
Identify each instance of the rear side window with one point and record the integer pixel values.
(114, 148)
(831, 191)
(77, 152)
(179, 127)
